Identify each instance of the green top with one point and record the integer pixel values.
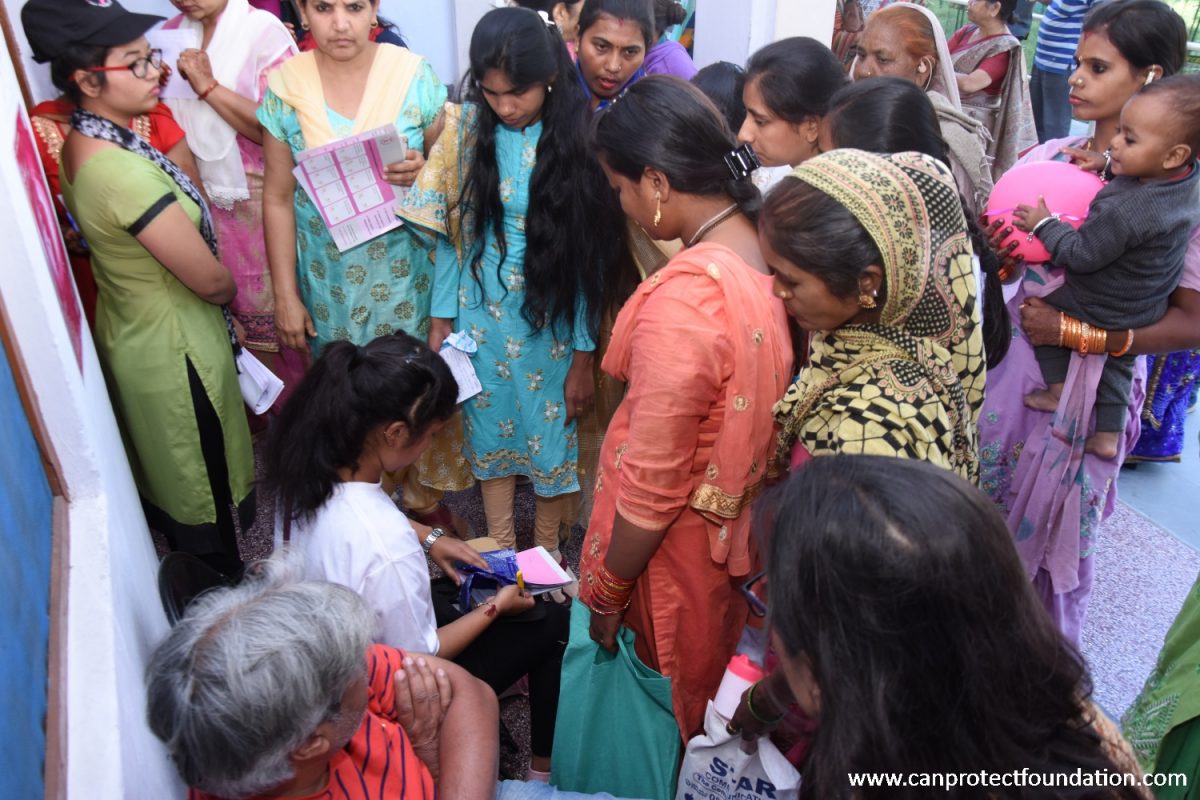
(148, 326)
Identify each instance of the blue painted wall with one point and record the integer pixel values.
(25, 530)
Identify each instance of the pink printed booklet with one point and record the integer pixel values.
(344, 179)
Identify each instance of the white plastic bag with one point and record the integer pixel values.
(715, 768)
(260, 387)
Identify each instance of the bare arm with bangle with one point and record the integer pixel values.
(1179, 329)
(629, 551)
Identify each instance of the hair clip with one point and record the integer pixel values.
(741, 162)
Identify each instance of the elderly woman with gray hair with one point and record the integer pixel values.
(273, 688)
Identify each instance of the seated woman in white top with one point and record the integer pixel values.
(362, 411)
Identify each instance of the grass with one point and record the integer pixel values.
(954, 17)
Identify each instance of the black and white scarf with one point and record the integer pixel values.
(98, 127)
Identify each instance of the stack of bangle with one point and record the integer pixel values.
(755, 714)
(1080, 336)
(610, 594)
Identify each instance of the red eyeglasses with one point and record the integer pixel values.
(139, 68)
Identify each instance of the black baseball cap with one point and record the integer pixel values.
(54, 25)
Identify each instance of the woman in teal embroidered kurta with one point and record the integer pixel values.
(515, 425)
(380, 286)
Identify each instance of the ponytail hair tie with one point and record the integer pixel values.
(741, 162)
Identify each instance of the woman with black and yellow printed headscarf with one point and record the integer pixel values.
(870, 254)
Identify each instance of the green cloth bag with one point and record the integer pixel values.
(616, 729)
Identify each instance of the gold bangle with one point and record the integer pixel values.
(1062, 327)
(1128, 344)
(1085, 340)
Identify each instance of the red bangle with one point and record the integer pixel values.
(204, 95)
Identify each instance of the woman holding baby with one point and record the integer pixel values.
(1055, 512)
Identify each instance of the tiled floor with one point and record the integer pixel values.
(1143, 574)
(1169, 494)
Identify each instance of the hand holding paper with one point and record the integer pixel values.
(456, 352)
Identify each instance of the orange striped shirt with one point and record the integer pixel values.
(379, 762)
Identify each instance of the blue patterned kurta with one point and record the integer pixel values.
(382, 285)
(515, 426)
(1170, 382)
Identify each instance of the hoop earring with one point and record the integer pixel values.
(866, 300)
(657, 207)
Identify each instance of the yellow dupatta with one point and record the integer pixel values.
(911, 385)
(298, 83)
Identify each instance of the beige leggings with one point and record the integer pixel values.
(498, 507)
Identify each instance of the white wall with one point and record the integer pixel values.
(114, 617)
(731, 30)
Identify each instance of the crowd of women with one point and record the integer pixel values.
(658, 343)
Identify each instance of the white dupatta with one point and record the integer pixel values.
(245, 42)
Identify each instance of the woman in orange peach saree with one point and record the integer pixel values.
(703, 345)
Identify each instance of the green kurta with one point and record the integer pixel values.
(148, 327)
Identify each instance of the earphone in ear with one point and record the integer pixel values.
(921, 68)
(1149, 78)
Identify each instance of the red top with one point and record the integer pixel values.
(995, 66)
(379, 762)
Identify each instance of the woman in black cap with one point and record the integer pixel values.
(163, 337)
(49, 34)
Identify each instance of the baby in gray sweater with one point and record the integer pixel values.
(1127, 257)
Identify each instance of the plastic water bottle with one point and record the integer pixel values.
(739, 676)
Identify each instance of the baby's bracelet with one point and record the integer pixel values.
(1042, 222)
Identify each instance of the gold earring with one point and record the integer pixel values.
(866, 300)
(657, 207)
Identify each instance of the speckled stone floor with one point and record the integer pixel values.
(1143, 574)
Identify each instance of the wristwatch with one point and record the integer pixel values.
(433, 536)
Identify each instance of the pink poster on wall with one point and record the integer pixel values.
(52, 243)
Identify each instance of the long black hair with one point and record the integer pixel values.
(899, 582)
(666, 123)
(575, 235)
(892, 115)
(349, 392)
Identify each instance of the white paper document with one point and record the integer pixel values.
(345, 180)
(456, 352)
(172, 43)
